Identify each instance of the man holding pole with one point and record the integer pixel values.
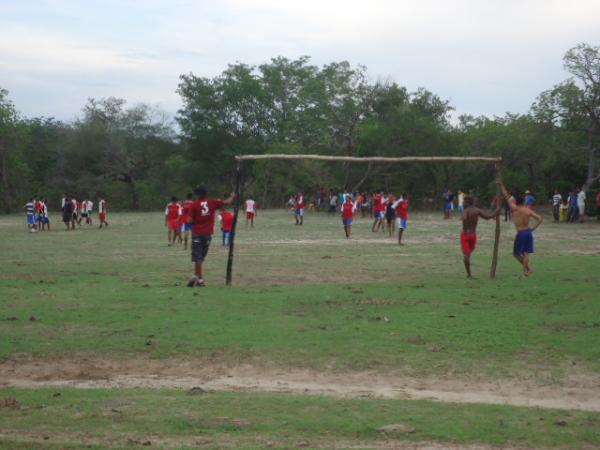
(523, 246)
(468, 237)
(202, 217)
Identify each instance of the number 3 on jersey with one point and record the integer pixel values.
(204, 208)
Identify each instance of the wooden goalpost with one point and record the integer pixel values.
(374, 159)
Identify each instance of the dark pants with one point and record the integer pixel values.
(556, 212)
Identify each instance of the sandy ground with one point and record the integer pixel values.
(578, 392)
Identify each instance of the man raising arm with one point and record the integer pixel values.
(523, 246)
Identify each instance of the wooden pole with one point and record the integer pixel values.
(497, 234)
(374, 159)
(236, 209)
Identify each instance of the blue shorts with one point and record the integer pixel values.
(378, 214)
(523, 242)
(30, 219)
(402, 223)
(448, 206)
(347, 221)
(299, 211)
(186, 227)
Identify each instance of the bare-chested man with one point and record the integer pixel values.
(524, 239)
(468, 238)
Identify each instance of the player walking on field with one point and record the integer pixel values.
(299, 212)
(468, 237)
(250, 212)
(173, 213)
(348, 210)
(523, 246)
(102, 211)
(401, 208)
(202, 218)
(185, 226)
(378, 210)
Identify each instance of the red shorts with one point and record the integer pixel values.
(468, 241)
(102, 217)
(249, 215)
(173, 224)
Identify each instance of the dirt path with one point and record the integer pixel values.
(579, 392)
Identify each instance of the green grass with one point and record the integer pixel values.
(303, 297)
(173, 418)
(124, 287)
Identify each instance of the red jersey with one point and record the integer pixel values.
(378, 203)
(348, 210)
(202, 215)
(226, 220)
(300, 202)
(186, 207)
(173, 211)
(402, 209)
(102, 207)
(598, 199)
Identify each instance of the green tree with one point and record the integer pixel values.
(13, 138)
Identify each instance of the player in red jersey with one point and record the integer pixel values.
(400, 206)
(202, 218)
(226, 219)
(378, 211)
(185, 226)
(348, 210)
(173, 213)
(102, 210)
(299, 209)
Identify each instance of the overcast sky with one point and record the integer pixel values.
(485, 56)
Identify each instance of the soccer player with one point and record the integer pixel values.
(378, 210)
(30, 209)
(299, 211)
(523, 246)
(226, 219)
(89, 210)
(468, 237)
(448, 203)
(202, 218)
(83, 211)
(173, 212)
(67, 212)
(348, 210)
(556, 204)
(390, 214)
(529, 200)
(186, 227)
(102, 211)
(581, 204)
(75, 215)
(250, 212)
(461, 201)
(401, 208)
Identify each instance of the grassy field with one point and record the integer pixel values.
(304, 299)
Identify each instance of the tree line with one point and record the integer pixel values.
(138, 156)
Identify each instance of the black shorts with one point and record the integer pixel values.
(200, 244)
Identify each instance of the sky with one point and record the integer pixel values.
(487, 57)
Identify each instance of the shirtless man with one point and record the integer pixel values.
(468, 238)
(524, 239)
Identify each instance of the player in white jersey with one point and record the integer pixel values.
(250, 211)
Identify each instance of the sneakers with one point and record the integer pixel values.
(196, 282)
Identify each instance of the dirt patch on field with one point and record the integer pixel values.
(153, 440)
(578, 392)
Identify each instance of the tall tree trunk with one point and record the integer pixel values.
(592, 175)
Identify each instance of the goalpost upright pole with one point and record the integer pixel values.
(236, 209)
(497, 233)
